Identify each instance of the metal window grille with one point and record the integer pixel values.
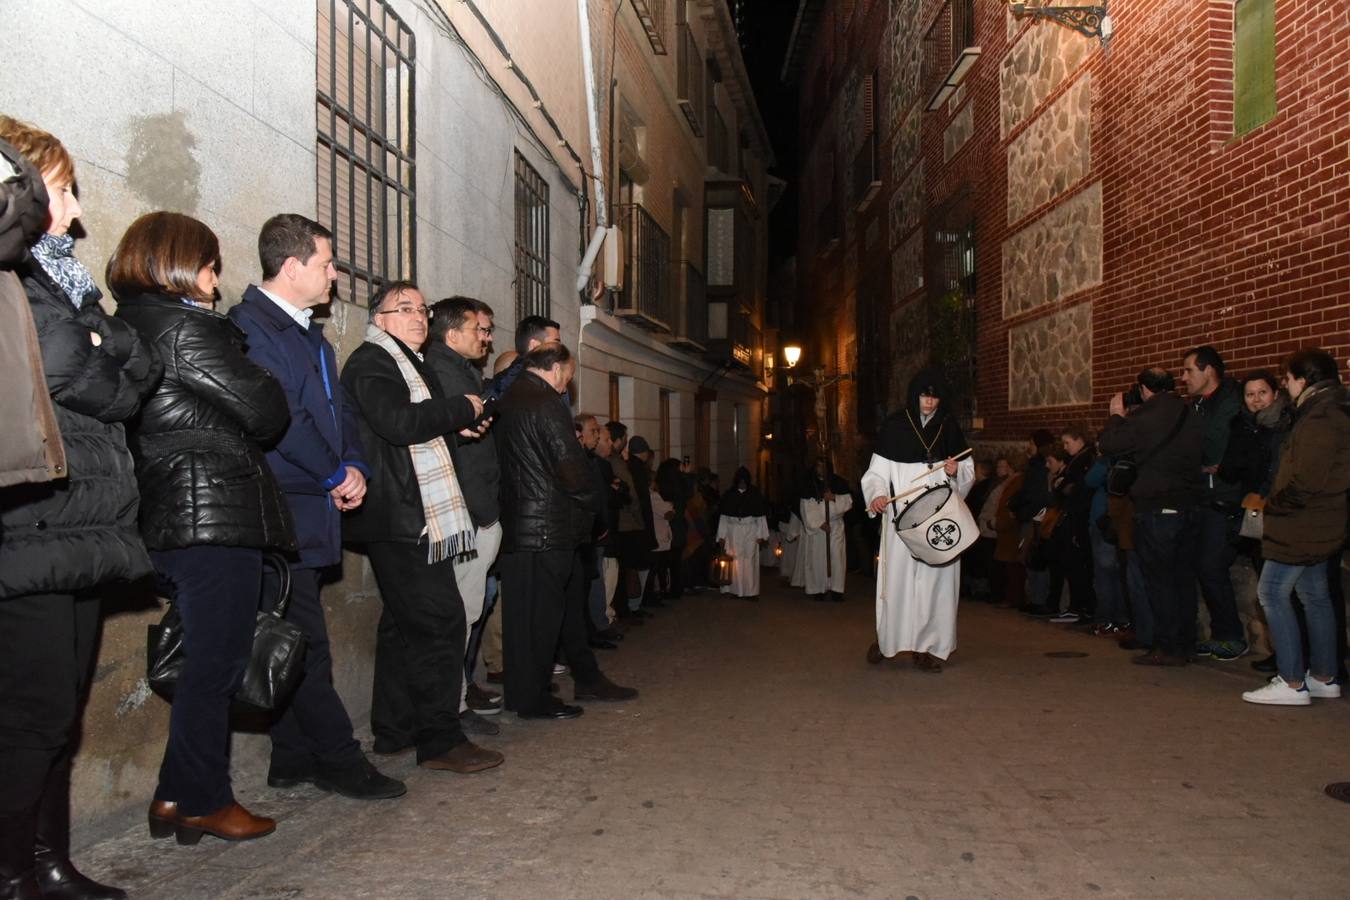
(532, 270)
(366, 173)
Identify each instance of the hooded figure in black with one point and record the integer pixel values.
(743, 528)
(916, 602)
(825, 500)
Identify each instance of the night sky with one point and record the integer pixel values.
(765, 27)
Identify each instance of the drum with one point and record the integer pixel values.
(936, 526)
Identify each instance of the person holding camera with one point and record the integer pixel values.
(1163, 442)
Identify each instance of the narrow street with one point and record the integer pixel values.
(766, 759)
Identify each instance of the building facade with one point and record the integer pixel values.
(448, 143)
(1053, 217)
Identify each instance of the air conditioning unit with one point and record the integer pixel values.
(611, 257)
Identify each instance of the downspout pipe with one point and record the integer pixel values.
(597, 159)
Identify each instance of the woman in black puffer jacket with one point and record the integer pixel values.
(209, 504)
(61, 540)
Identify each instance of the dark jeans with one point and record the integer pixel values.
(1137, 590)
(1166, 543)
(538, 585)
(1215, 553)
(47, 646)
(419, 650)
(217, 591)
(315, 728)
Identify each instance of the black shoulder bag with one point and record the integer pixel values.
(1123, 472)
(274, 668)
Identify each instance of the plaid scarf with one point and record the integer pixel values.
(449, 530)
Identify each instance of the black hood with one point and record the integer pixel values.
(904, 438)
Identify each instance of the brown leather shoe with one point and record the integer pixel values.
(229, 823)
(927, 662)
(874, 654)
(466, 758)
(163, 817)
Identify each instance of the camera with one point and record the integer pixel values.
(1134, 396)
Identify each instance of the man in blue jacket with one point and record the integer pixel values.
(322, 471)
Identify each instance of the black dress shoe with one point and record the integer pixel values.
(604, 689)
(1266, 665)
(21, 887)
(360, 781)
(471, 722)
(57, 878)
(601, 644)
(558, 710)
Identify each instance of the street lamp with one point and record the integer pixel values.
(792, 354)
(1089, 21)
(818, 381)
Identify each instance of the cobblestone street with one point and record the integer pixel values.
(766, 759)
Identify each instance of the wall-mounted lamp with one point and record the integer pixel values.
(1090, 21)
(792, 354)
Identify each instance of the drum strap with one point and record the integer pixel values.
(927, 445)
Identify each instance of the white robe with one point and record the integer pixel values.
(813, 544)
(916, 602)
(742, 536)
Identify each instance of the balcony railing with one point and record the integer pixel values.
(732, 339)
(719, 143)
(691, 319)
(645, 297)
(867, 171)
(689, 77)
(652, 15)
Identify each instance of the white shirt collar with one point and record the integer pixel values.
(924, 420)
(301, 316)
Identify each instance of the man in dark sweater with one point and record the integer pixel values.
(1166, 441)
(456, 341)
(1216, 400)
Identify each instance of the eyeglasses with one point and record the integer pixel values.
(485, 332)
(420, 311)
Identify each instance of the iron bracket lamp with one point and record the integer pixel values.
(1089, 21)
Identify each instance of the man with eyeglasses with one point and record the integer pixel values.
(414, 524)
(457, 342)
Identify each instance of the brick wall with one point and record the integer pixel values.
(1243, 243)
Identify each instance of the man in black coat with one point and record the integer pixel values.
(548, 492)
(1166, 442)
(419, 652)
(1026, 504)
(457, 342)
(321, 470)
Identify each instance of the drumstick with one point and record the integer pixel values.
(931, 469)
(903, 494)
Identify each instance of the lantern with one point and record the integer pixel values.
(778, 551)
(719, 571)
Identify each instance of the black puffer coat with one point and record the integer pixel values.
(78, 532)
(548, 486)
(203, 476)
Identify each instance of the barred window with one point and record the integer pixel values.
(366, 178)
(532, 272)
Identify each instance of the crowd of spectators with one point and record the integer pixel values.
(1148, 520)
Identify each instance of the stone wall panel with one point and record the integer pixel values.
(907, 267)
(907, 204)
(1053, 153)
(1036, 65)
(1050, 360)
(1057, 255)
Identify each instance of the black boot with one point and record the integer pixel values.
(56, 876)
(16, 858)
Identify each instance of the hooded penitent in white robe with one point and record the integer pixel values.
(742, 536)
(815, 544)
(916, 602)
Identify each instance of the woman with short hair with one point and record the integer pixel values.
(1304, 527)
(209, 505)
(63, 540)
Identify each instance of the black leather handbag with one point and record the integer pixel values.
(274, 668)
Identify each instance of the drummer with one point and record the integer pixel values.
(916, 601)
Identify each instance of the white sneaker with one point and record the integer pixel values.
(1067, 617)
(1327, 690)
(559, 669)
(1279, 693)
